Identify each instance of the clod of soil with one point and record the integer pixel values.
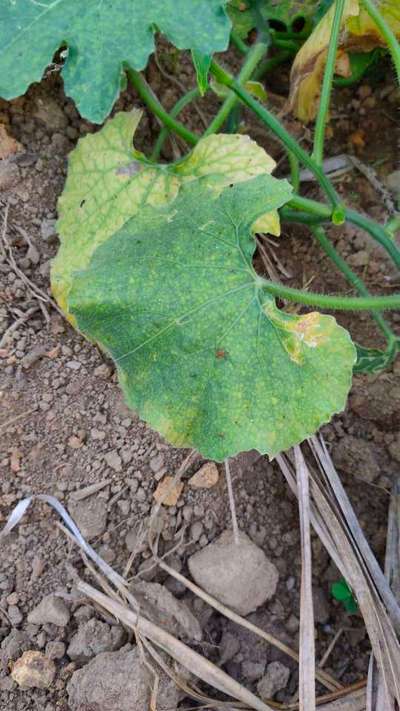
(119, 680)
(225, 568)
(34, 670)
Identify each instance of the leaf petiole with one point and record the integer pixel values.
(253, 58)
(336, 303)
(277, 128)
(149, 98)
(321, 120)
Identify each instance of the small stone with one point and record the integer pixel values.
(114, 460)
(187, 513)
(34, 670)
(13, 599)
(51, 610)
(55, 649)
(253, 670)
(206, 477)
(322, 610)
(48, 230)
(168, 493)
(97, 434)
(93, 638)
(275, 679)
(225, 568)
(8, 145)
(90, 515)
(103, 371)
(157, 463)
(83, 613)
(51, 114)
(33, 357)
(7, 684)
(75, 442)
(364, 91)
(107, 553)
(12, 647)
(161, 607)
(124, 506)
(196, 531)
(292, 624)
(393, 182)
(74, 365)
(229, 647)
(15, 615)
(359, 259)
(9, 175)
(131, 540)
(357, 456)
(394, 449)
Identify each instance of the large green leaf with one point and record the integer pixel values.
(109, 181)
(102, 38)
(203, 353)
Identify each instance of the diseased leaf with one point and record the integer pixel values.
(203, 353)
(288, 13)
(101, 39)
(109, 181)
(358, 34)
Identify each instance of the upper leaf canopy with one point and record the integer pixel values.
(203, 353)
(101, 39)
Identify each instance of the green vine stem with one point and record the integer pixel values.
(175, 111)
(238, 42)
(317, 210)
(268, 64)
(294, 171)
(386, 32)
(146, 94)
(253, 58)
(276, 127)
(353, 279)
(336, 303)
(326, 89)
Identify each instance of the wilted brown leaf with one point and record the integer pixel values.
(358, 34)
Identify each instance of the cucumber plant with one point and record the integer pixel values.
(156, 260)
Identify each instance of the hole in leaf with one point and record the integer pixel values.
(298, 24)
(277, 25)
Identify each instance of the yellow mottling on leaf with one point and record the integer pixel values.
(300, 332)
(109, 182)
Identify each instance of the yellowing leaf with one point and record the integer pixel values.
(268, 223)
(109, 182)
(202, 352)
(358, 34)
